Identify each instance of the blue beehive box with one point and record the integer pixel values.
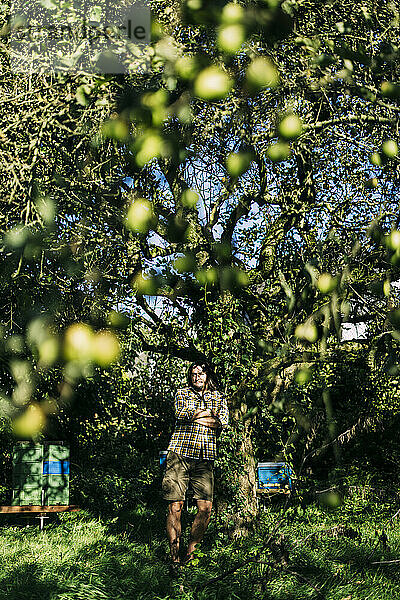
(163, 459)
(274, 477)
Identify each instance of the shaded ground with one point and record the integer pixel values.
(316, 553)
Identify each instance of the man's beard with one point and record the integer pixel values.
(199, 387)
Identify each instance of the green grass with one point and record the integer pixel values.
(330, 555)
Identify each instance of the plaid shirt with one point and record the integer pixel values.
(191, 439)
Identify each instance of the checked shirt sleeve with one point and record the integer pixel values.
(223, 412)
(184, 409)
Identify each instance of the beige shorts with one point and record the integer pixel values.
(182, 472)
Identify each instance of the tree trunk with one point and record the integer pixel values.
(247, 478)
(240, 522)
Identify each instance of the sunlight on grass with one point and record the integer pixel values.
(327, 553)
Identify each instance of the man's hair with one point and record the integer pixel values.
(211, 379)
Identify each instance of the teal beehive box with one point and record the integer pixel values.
(56, 475)
(27, 480)
(40, 474)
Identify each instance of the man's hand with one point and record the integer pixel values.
(202, 412)
(206, 417)
(211, 422)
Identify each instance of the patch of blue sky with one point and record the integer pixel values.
(160, 305)
(353, 331)
(156, 240)
(165, 308)
(248, 235)
(162, 188)
(204, 176)
(208, 177)
(342, 199)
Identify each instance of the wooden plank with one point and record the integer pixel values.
(272, 491)
(38, 509)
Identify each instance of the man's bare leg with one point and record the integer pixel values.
(174, 528)
(199, 526)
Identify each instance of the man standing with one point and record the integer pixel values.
(200, 413)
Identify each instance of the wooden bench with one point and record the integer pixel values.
(263, 495)
(40, 512)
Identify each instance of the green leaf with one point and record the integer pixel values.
(49, 4)
(82, 95)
